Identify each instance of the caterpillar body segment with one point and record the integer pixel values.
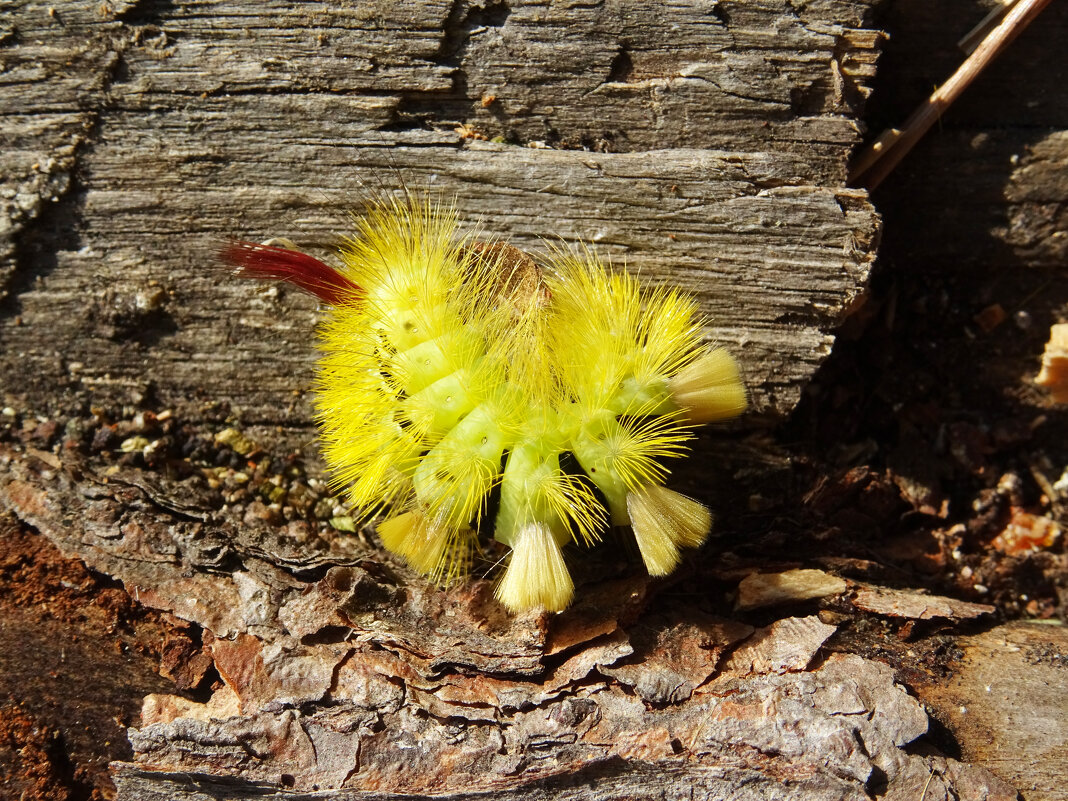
(454, 371)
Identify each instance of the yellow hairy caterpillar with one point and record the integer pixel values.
(461, 387)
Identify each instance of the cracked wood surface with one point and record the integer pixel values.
(702, 144)
(715, 136)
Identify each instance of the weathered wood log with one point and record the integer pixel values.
(701, 145)
(725, 131)
(1005, 705)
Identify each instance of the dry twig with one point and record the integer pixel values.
(880, 158)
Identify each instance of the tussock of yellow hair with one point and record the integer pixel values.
(411, 535)
(433, 549)
(709, 388)
(572, 502)
(668, 332)
(664, 521)
(594, 321)
(536, 576)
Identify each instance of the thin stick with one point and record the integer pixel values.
(880, 158)
(972, 38)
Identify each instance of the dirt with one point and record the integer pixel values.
(76, 656)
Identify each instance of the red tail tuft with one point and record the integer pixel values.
(299, 269)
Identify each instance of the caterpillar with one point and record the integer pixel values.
(461, 387)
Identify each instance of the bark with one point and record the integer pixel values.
(350, 674)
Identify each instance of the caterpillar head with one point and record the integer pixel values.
(454, 371)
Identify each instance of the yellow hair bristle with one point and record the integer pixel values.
(622, 452)
(665, 521)
(709, 388)
(429, 547)
(536, 575)
(595, 320)
(667, 333)
(535, 490)
(454, 370)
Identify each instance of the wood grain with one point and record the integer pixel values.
(727, 125)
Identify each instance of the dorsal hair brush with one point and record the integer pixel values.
(461, 387)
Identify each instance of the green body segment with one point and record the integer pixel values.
(457, 474)
(429, 361)
(471, 436)
(647, 398)
(526, 492)
(439, 407)
(595, 449)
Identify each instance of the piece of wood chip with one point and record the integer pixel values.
(785, 645)
(916, 605)
(770, 589)
(1054, 372)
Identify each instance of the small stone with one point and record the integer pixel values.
(990, 317)
(1026, 532)
(236, 441)
(344, 524)
(132, 444)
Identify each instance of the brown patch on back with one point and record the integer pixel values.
(520, 281)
